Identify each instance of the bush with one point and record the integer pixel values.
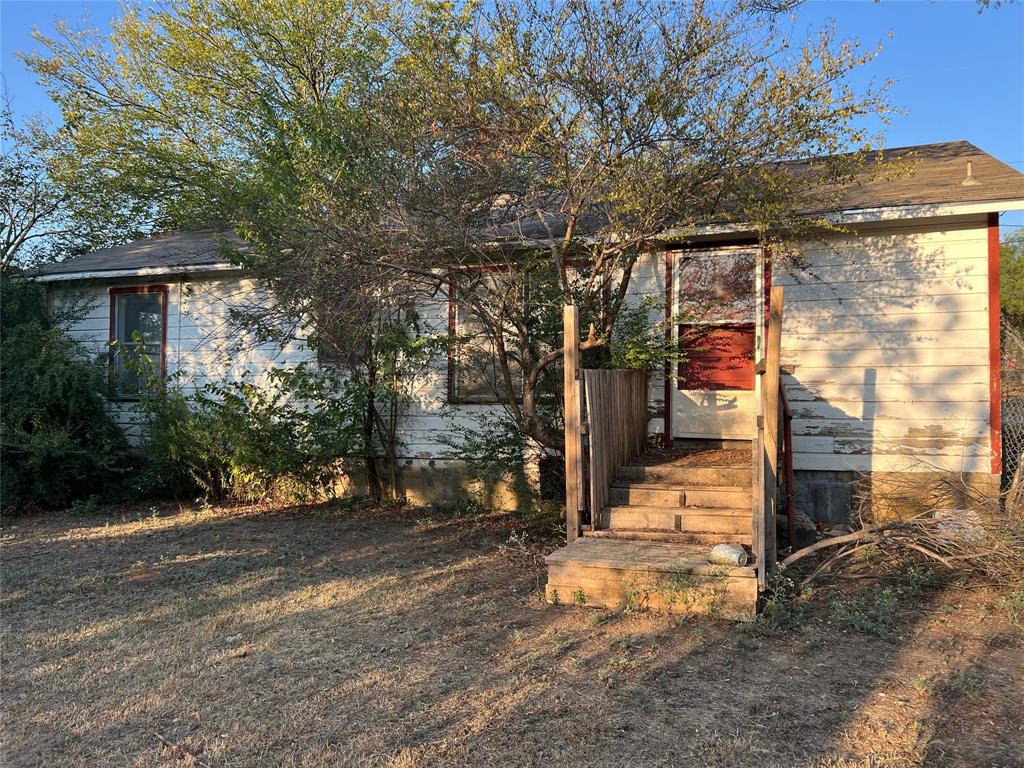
(245, 442)
(58, 443)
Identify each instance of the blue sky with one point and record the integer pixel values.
(958, 74)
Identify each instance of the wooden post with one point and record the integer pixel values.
(772, 406)
(573, 436)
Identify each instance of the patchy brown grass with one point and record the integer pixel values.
(312, 637)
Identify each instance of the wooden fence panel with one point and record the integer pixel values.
(617, 427)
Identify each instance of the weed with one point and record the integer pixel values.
(350, 503)
(517, 543)
(715, 605)
(746, 643)
(780, 612)
(597, 619)
(565, 644)
(873, 616)
(578, 597)
(630, 642)
(916, 577)
(677, 589)
(636, 597)
(814, 642)
(961, 683)
(1013, 605)
(553, 597)
(89, 506)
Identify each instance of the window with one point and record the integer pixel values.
(718, 287)
(138, 323)
(718, 302)
(328, 343)
(474, 364)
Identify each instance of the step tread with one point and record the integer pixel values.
(634, 555)
(668, 485)
(634, 465)
(691, 511)
(670, 535)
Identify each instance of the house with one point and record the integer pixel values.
(888, 356)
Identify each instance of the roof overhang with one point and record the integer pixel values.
(113, 274)
(865, 216)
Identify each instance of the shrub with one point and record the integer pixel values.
(58, 443)
(242, 441)
(639, 341)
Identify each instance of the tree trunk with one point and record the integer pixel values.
(372, 473)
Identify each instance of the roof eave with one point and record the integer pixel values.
(111, 274)
(863, 216)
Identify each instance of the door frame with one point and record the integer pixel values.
(762, 286)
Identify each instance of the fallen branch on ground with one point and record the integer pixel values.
(991, 550)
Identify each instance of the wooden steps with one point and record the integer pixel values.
(687, 475)
(671, 537)
(649, 547)
(678, 495)
(734, 522)
(674, 577)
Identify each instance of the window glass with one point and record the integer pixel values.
(138, 328)
(718, 287)
(478, 375)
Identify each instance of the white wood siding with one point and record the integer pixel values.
(648, 283)
(885, 348)
(202, 347)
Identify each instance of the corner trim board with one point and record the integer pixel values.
(994, 359)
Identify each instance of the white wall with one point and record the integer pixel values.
(885, 341)
(202, 346)
(885, 347)
(885, 344)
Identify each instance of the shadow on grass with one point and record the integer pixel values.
(305, 638)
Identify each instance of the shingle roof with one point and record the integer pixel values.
(937, 176)
(170, 251)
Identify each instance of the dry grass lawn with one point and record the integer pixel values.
(324, 637)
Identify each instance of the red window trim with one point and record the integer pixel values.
(164, 290)
(994, 357)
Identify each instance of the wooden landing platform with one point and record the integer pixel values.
(674, 577)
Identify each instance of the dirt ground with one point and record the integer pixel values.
(326, 637)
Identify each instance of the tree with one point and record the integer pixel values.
(524, 153)
(52, 206)
(30, 202)
(1011, 278)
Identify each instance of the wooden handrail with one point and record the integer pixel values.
(615, 428)
(787, 462)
